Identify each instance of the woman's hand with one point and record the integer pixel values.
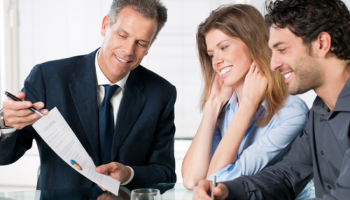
(255, 85)
(219, 92)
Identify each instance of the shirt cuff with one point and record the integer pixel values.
(5, 133)
(131, 176)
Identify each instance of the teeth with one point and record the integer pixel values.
(225, 70)
(124, 61)
(287, 75)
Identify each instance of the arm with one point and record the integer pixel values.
(17, 114)
(196, 162)
(283, 180)
(253, 91)
(271, 145)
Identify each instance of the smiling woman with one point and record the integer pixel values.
(249, 121)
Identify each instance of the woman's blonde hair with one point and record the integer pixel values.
(246, 23)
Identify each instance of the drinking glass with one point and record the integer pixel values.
(145, 194)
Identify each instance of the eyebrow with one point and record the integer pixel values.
(277, 44)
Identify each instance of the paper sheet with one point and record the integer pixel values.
(55, 131)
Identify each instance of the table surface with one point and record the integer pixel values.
(169, 192)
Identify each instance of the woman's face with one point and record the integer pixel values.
(230, 57)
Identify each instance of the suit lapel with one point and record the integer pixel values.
(129, 110)
(84, 93)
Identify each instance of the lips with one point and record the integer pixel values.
(225, 70)
(287, 75)
(122, 60)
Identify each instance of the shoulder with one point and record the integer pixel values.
(295, 105)
(294, 111)
(63, 64)
(151, 80)
(66, 68)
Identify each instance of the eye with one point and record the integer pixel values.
(211, 56)
(122, 36)
(142, 45)
(224, 47)
(281, 50)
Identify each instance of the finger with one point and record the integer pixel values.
(20, 95)
(38, 105)
(44, 111)
(200, 193)
(111, 167)
(203, 189)
(251, 69)
(102, 188)
(19, 122)
(16, 105)
(221, 191)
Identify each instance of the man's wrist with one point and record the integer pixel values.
(2, 121)
(131, 176)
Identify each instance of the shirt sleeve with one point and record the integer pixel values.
(271, 146)
(283, 180)
(6, 133)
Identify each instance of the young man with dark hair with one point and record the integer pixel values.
(310, 43)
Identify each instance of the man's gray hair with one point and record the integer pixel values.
(152, 9)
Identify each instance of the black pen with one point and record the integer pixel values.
(13, 97)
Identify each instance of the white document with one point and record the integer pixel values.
(55, 131)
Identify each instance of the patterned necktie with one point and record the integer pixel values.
(106, 124)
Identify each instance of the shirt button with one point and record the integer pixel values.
(329, 186)
(322, 153)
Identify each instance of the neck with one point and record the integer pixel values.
(336, 73)
(239, 91)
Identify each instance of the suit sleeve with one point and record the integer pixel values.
(284, 180)
(161, 164)
(14, 147)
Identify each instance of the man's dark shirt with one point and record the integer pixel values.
(322, 151)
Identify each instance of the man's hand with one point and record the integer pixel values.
(115, 170)
(203, 191)
(109, 196)
(17, 115)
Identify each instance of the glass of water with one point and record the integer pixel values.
(145, 194)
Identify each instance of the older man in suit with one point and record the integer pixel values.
(122, 113)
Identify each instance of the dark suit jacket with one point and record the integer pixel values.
(144, 137)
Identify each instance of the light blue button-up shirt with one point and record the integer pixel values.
(260, 146)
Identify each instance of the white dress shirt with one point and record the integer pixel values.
(116, 98)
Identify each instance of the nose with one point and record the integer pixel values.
(276, 62)
(217, 60)
(129, 47)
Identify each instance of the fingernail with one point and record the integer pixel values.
(27, 104)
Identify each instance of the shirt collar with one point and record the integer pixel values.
(343, 100)
(233, 102)
(342, 103)
(102, 79)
